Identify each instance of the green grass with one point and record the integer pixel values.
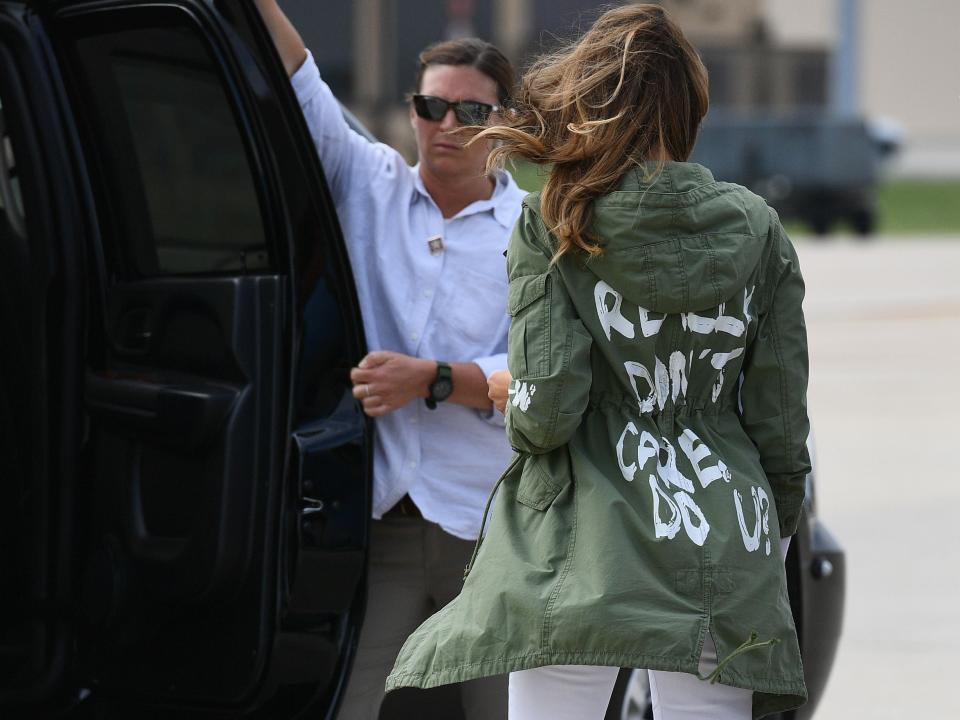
(904, 207)
(529, 177)
(919, 206)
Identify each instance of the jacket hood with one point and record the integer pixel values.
(679, 242)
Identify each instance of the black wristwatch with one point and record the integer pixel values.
(441, 387)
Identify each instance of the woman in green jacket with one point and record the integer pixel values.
(657, 409)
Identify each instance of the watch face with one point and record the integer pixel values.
(441, 389)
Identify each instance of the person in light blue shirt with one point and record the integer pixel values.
(427, 248)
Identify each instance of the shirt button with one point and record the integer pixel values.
(413, 421)
(414, 337)
(413, 464)
(427, 293)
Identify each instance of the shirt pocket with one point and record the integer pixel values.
(473, 310)
(530, 313)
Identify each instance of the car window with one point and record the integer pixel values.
(178, 185)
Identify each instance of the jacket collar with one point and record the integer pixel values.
(672, 178)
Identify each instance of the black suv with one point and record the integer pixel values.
(184, 474)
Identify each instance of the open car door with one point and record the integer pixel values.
(195, 545)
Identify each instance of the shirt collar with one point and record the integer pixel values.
(501, 202)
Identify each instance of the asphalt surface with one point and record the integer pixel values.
(883, 319)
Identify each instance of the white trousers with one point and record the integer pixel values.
(582, 692)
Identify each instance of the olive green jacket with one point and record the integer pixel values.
(658, 413)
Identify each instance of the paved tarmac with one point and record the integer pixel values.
(883, 320)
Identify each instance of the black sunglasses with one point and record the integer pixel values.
(467, 112)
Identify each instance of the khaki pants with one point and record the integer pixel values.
(415, 569)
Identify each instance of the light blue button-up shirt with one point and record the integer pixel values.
(449, 305)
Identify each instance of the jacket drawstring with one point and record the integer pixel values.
(486, 511)
(750, 644)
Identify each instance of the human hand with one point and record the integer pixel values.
(498, 384)
(386, 381)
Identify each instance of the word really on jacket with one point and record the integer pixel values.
(670, 490)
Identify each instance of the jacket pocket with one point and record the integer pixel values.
(530, 319)
(543, 478)
(523, 290)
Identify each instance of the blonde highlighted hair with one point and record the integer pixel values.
(631, 90)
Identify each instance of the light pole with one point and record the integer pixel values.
(844, 66)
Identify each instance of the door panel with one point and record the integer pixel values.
(224, 501)
(188, 428)
(188, 385)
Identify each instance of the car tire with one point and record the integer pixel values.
(864, 222)
(820, 224)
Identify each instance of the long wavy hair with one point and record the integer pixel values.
(631, 90)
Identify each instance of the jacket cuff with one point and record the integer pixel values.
(789, 508)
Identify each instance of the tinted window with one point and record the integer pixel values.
(178, 182)
(722, 85)
(809, 78)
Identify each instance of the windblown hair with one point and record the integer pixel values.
(631, 90)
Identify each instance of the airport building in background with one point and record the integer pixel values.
(884, 59)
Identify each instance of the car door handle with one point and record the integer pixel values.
(134, 332)
(184, 415)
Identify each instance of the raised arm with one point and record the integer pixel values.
(285, 36)
(350, 162)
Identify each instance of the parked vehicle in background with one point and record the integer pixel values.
(816, 168)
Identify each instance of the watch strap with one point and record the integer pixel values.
(443, 378)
